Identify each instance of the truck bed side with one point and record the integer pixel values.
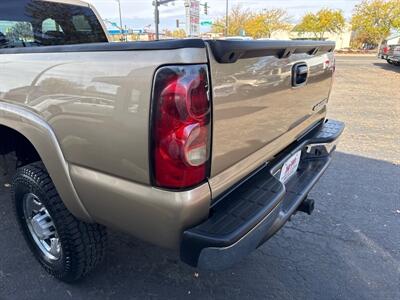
(96, 97)
(95, 101)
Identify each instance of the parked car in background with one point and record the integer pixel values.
(393, 55)
(383, 51)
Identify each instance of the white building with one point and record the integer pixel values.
(393, 40)
(342, 40)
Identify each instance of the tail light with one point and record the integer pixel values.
(330, 63)
(180, 133)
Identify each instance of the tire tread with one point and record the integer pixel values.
(84, 244)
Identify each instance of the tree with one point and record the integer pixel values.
(179, 33)
(373, 20)
(323, 22)
(265, 23)
(396, 13)
(20, 32)
(238, 17)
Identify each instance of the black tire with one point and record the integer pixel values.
(83, 245)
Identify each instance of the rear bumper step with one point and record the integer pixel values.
(250, 213)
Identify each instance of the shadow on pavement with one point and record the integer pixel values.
(387, 66)
(347, 249)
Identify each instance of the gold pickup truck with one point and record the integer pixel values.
(203, 146)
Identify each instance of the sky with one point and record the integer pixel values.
(139, 13)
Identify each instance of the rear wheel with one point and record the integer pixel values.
(66, 247)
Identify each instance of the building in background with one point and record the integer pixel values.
(393, 40)
(131, 36)
(192, 8)
(342, 40)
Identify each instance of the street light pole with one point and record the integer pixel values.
(120, 20)
(156, 4)
(157, 18)
(227, 18)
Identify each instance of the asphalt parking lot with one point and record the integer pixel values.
(348, 249)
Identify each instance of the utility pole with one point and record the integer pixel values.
(227, 18)
(120, 21)
(156, 18)
(156, 4)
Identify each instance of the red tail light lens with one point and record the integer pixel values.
(180, 134)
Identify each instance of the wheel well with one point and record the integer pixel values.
(15, 150)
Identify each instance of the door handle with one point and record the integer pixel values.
(299, 74)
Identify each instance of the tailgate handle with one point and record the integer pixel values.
(300, 74)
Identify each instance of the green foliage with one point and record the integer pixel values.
(373, 20)
(238, 17)
(256, 24)
(177, 33)
(396, 14)
(264, 24)
(21, 31)
(323, 22)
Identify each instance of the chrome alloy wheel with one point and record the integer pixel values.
(41, 227)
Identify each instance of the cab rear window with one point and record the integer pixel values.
(34, 23)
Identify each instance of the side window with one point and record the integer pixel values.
(33, 23)
(16, 34)
(81, 23)
(51, 25)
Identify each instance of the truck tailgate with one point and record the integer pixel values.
(263, 90)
